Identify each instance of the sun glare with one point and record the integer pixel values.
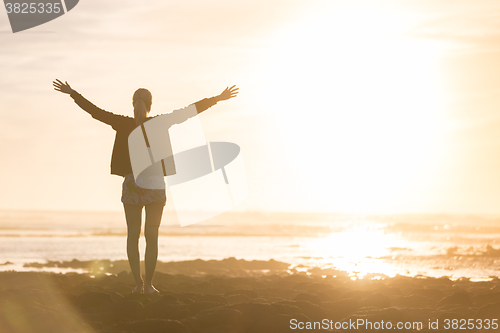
(358, 104)
(358, 250)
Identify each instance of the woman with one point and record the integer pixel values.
(134, 197)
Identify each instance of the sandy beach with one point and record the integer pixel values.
(233, 295)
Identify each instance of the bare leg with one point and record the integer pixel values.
(133, 215)
(153, 220)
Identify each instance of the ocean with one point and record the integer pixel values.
(362, 246)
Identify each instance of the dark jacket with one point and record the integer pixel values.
(123, 125)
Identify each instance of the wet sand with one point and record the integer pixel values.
(234, 296)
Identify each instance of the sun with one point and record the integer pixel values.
(358, 104)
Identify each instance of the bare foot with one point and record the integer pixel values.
(139, 288)
(151, 290)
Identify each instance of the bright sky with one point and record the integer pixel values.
(344, 106)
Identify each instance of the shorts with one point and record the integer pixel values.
(135, 195)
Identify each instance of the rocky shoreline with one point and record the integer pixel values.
(238, 299)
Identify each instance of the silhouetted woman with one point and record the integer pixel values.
(134, 197)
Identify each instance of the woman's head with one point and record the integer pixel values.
(142, 101)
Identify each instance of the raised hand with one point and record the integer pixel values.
(62, 87)
(228, 93)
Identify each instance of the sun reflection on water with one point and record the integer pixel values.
(358, 251)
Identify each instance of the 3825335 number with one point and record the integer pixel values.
(33, 8)
(464, 324)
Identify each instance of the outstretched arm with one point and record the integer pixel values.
(62, 87)
(228, 93)
(106, 117)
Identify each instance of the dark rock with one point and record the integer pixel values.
(490, 311)
(391, 314)
(430, 293)
(187, 298)
(305, 285)
(254, 312)
(219, 317)
(459, 298)
(124, 276)
(411, 301)
(188, 301)
(162, 310)
(449, 315)
(343, 307)
(307, 297)
(200, 306)
(93, 299)
(377, 300)
(247, 292)
(191, 323)
(180, 314)
(280, 323)
(285, 308)
(129, 309)
(357, 294)
(134, 297)
(487, 298)
(311, 310)
(388, 291)
(152, 326)
(214, 298)
(116, 297)
(169, 299)
(320, 286)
